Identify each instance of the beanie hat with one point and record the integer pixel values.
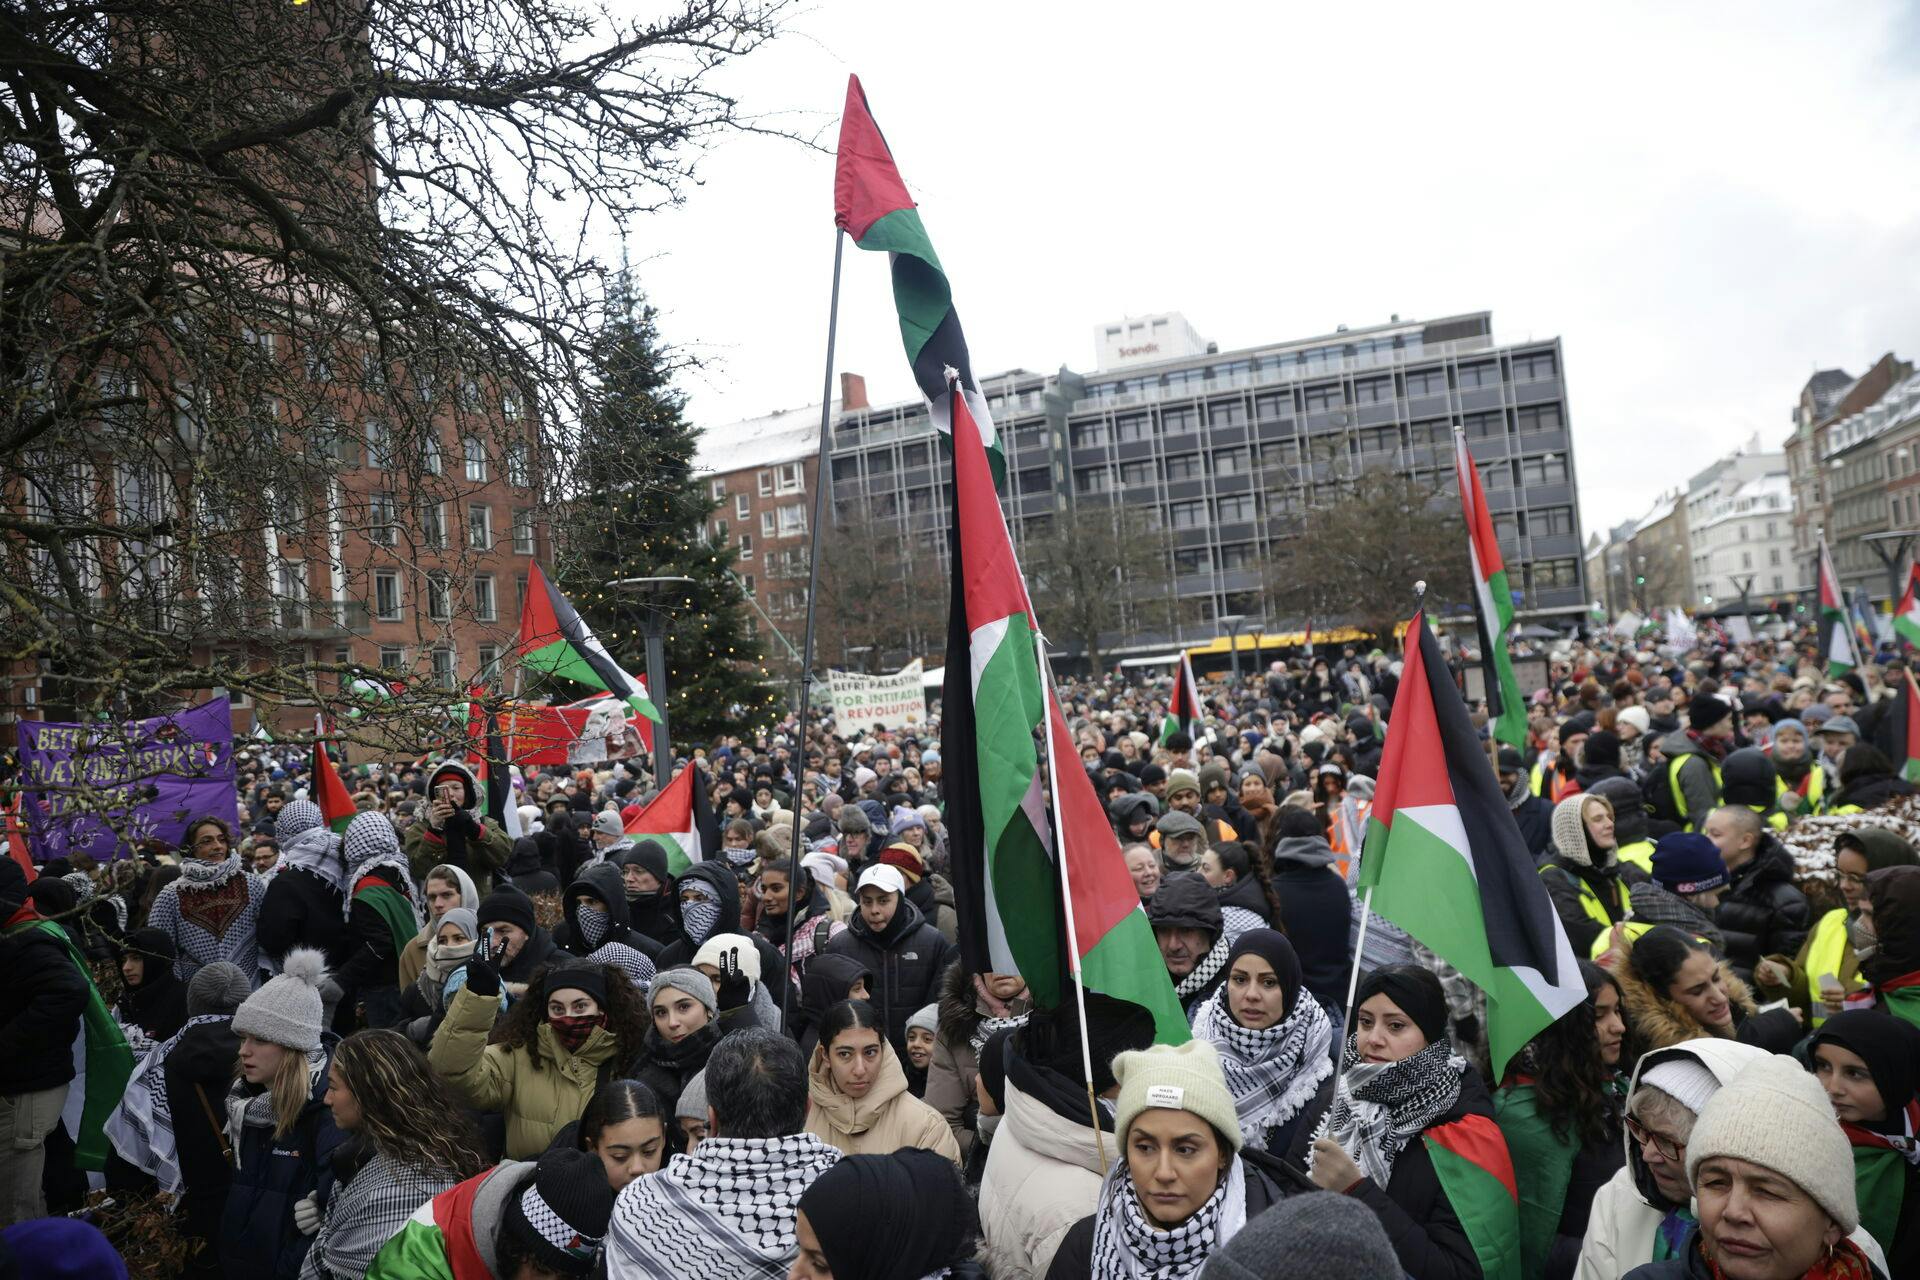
(1177, 1077)
(1685, 1079)
(1317, 1234)
(883, 877)
(1776, 1115)
(590, 978)
(863, 775)
(927, 1018)
(691, 981)
(1705, 711)
(1637, 717)
(739, 944)
(905, 820)
(853, 818)
(560, 1213)
(1688, 862)
(507, 905)
(286, 1010)
(607, 822)
(649, 855)
(693, 1099)
(217, 988)
(58, 1248)
(1182, 780)
(905, 859)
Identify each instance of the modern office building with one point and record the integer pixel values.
(1228, 449)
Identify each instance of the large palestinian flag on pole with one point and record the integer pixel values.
(1493, 601)
(336, 805)
(996, 783)
(554, 639)
(1836, 631)
(1183, 704)
(1445, 861)
(673, 819)
(871, 204)
(1906, 617)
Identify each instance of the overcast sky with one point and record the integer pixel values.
(1706, 202)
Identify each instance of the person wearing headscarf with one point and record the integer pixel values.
(303, 902)
(1399, 1081)
(381, 915)
(1275, 1047)
(1828, 951)
(1867, 1062)
(154, 999)
(1584, 877)
(455, 935)
(1887, 940)
(444, 889)
(212, 911)
(898, 1216)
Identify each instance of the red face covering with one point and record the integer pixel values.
(572, 1032)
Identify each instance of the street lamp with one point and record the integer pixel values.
(1901, 541)
(655, 608)
(1232, 621)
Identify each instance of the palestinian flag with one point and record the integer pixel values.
(1006, 883)
(1881, 1172)
(1183, 705)
(553, 639)
(102, 1059)
(438, 1241)
(1493, 602)
(1444, 860)
(336, 805)
(871, 204)
(672, 816)
(1866, 622)
(1475, 1169)
(1906, 618)
(1837, 632)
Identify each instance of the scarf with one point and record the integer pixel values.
(1210, 964)
(1843, 1262)
(687, 1054)
(594, 924)
(572, 1030)
(739, 859)
(1271, 1073)
(196, 875)
(316, 850)
(1128, 1246)
(1899, 1136)
(370, 843)
(245, 1107)
(727, 1209)
(443, 959)
(999, 1017)
(698, 915)
(1379, 1107)
(1713, 748)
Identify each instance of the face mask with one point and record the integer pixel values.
(594, 925)
(739, 857)
(573, 1031)
(1861, 935)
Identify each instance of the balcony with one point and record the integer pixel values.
(318, 619)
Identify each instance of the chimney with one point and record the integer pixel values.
(853, 392)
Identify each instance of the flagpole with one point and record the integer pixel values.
(821, 480)
(1066, 889)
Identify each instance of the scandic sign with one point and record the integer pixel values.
(877, 702)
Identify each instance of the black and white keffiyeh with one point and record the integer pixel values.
(1273, 1072)
(196, 875)
(1379, 1107)
(1234, 921)
(700, 912)
(594, 924)
(141, 1126)
(306, 842)
(371, 842)
(725, 1210)
(1128, 1246)
(988, 1025)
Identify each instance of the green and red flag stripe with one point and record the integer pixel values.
(336, 804)
(672, 821)
(1183, 704)
(554, 639)
(1836, 631)
(1906, 618)
(1471, 1160)
(1444, 860)
(1907, 717)
(1493, 601)
(1006, 883)
(871, 204)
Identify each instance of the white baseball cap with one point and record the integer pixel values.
(883, 876)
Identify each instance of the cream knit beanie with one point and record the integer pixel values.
(1182, 1077)
(1776, 1115)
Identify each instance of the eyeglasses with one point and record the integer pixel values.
(1858, 882)
(1667, 1147)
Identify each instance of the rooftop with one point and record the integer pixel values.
(785, 435)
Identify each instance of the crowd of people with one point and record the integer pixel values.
(421, 1048)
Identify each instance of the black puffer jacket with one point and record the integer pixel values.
(601, 880)
(1247, 894)
(1762, 913)
(302, 910)
(40, 1002)
(204, 1057)
(906, 961)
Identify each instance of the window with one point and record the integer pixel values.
(519, 466)
(480, 526)
(1430, 433)
(379, 445)
(1184, 466)
(483, 603)
(291, 587)
(1551, 469)
(439, 596)
(1237, 555)
(742, 506)
(718, 489)
(1227, 413)
(1426, 382)
(1746, 559)
(1133, 474)
(393, 657)
(1230, 462)
(746, 546)
(1773, 557)
(1484, 374)
(430, 453)
(1379, 439)
(1555, 573)
(1327, 395)
(1130, 428)
(1373, 391)
(443, 673)
(519, 593)
(1273, 406)
(1541, 417)
(523, 533)
(1033, 480)
(788, 478)
(793, 516)
(913, 455)
(1184, 419)
(844, 469)
(433, 525)
(386, 599)
(1187, 515)
(1092, 480)
(380, 519)
(474, 450)
(766, 524)
(489, 663)
(765, 479)
(1551, 521)
(1193, 560)
(1485, 426)
(1237, 507)
(1089, 435)
(1535, 366)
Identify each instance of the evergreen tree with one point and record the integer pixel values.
(642, 513)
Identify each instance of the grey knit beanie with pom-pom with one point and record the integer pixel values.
(287, 1010)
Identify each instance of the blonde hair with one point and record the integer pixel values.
(291, 1088)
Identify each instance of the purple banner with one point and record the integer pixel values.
(106, 789)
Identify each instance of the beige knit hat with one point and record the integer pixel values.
(1176, 1077)
(1776, 1115)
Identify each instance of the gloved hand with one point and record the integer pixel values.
(735, 987)
(482, 978)
(307, 1215)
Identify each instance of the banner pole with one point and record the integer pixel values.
(1353, 979)
(822, 477)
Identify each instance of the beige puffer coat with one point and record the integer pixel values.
(885, 1120)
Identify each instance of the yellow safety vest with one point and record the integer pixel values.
(1639, 853)
(1771, 816)
(1816, 790)
(1634, 929)
(1673, 784)
(1826, 950)
(1539, 778)
(1589, 900)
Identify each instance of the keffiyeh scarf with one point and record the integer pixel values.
(594, 923)
(370, 842)
(727, 1209)
(1379, 1107)
(141, 1127)
(700, 913)
(246, 1107)
(1273, 1072)
(196, 875)
(1234, 921)
(1128, 1246)
(305, 842)
(999, 1016)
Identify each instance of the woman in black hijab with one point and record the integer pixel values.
(154, 999)
(891, 1217)
(1867, 1062)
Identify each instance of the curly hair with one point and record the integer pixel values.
(406, 1110)
(626, 1008)
(1568, 1077)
